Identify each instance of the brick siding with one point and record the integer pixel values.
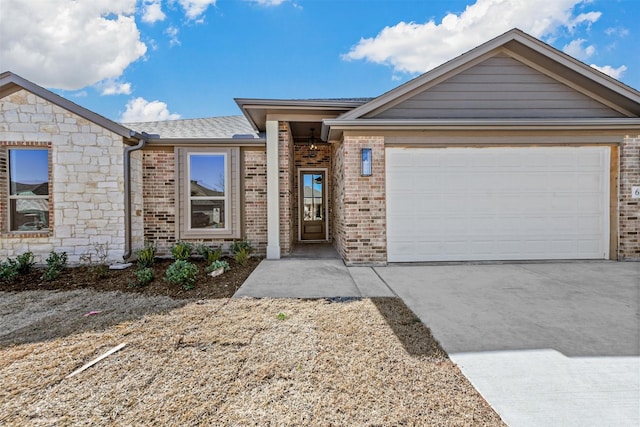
(360, 228)
(159, 172)
(629, 208)
(255, 199)
(286, 183)
(159, 195)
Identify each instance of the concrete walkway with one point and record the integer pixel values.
(318, 278)
(546, 344)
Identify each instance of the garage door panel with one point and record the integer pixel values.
(497, 203)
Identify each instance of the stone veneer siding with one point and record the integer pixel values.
(86, 191)
(303, 160)
(629, 208)
(359, 211)
(160, 200)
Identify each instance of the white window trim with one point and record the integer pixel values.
(226, 198)
(233, 217)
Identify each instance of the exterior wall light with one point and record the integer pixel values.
(366, 162)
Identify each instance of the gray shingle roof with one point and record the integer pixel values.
(211, 127)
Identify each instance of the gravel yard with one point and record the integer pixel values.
(225, 362)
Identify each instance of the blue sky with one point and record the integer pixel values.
(165, 59)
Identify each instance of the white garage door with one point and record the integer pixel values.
(464, 204)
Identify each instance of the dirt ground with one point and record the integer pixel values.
(224, 362)
(86, 277)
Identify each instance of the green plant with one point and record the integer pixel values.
(242, 257)
(9, 270)
(146, 256)
(181, 251)
(97, 260)
(209, 254)
(144, 275)
(182, 273)
(218, 264)
(56, 263)
(25, 262)
(239, 245)
(241, 249)
(282, 316)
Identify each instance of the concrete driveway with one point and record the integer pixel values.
(546, 344)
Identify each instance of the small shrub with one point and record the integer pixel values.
(144, 275)
(242, 256)
(209, 254)
(25, 262)
(146, 256)
(218, 264)
(242, 250)
(182, 273)
(282, 316)
(9, 270)
(239, 245)
(97, 260)
(56, 263)
(181, 251)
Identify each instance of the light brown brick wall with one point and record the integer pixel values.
(160, 200)
(255, 199)
(286, 182)
(158, 177)
(321, 160)
(359, 202)
(629, 208)
(338, 233)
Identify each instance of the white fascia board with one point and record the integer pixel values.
(333, 128)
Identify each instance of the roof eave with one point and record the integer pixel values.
(257, 110)
(333, 129)
(244, 142)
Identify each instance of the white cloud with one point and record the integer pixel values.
(113, 87)
(417, 47)
(141, 110)
(172, 32)
(268, 2)
(152, 11)
(617, 31)
(616, 73)
(576, 49)
(68, 44)
(194, 9)
(588, 18)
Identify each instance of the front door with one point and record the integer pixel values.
(312, 206)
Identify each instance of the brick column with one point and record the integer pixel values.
(629, 208)
(362, 203)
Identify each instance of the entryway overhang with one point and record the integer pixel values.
(302, 116)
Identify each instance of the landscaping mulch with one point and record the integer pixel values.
(83, 277)
(230, 362)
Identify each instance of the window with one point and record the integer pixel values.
(28, 189)
(208, 191)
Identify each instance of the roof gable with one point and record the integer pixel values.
(604, 94)
(11, 83)
(499, 87)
